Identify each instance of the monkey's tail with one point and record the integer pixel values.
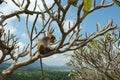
(42, 71)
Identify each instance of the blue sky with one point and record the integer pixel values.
(102, 16)
(88, 25)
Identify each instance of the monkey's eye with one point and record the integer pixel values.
(52, 37)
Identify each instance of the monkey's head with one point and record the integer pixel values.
(51, 38)
(49, 33)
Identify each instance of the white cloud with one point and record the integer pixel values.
(11, 28)
(56, 60)
(21, 46)
(8, 8)
(24, 36)
(41, 7)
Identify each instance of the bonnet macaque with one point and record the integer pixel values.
(44, 44)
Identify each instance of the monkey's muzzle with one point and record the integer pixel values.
(52, 39)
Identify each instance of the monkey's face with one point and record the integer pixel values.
(52, 39)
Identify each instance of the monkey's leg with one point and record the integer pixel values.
(42, 50)
(48, 49)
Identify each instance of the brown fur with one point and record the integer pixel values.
(43, 44)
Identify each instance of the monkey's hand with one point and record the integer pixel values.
(49, 49)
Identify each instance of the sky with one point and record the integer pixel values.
(88, 25)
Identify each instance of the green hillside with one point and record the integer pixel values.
(32, 72)
(36, 75)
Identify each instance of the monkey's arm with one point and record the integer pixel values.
(43, 50)
(49, 48)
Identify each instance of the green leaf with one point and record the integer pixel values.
(18, 17)
(76, 52)
(117, 2)
(89, 46)
(87, 5)
(42, 13)
(43, 16)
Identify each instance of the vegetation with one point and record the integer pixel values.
(35, 17)
(36, 75)
(98, 60)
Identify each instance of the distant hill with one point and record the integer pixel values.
(36, 66)
(4, 65)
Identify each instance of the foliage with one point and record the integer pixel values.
(36, 75)
(50, 16)
(98, 60)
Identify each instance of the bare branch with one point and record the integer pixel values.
(51, 19)
(27, 5)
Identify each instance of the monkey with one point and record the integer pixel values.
(44, 46)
